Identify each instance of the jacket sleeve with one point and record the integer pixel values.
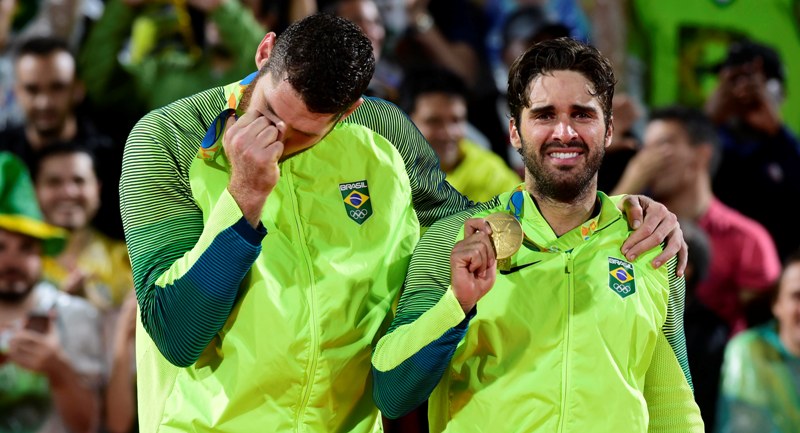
(187, 271)
(409, 360)
(668, 383)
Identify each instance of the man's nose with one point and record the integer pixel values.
(564, 132)
(42, 100)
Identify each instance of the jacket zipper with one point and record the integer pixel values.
(568, 324)
(312, 368)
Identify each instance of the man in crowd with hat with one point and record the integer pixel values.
(51, 358)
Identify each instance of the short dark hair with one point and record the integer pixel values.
(62, 148)
(699, 128)
(746, 51)
(759, 309)
(429, 79)
(41, 46)
(327, 59)
(560, 54)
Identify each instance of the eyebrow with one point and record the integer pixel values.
(307, 134)
(573, 107)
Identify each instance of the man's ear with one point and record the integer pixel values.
(353, 107)
(609, 132)
(513, 134)
(265, 49)
(78, 92)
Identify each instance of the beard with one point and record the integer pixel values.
(247, 95)
(14, 287)
(244, 103)
(566, 186)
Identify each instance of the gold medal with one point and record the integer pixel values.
(506, 234)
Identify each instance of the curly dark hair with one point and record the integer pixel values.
(560, 54)
(327, 59)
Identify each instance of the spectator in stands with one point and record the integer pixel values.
(366, 15)
(174, 49)
(745, 107)
(51, 358)
(675, 166)
(761, 372)
(92, 265)
(436, 100)
(48, 91)
(449, 33)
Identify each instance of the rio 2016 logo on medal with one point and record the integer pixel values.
(620, 278)
(355, 196)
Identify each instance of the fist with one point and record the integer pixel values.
(473, 264)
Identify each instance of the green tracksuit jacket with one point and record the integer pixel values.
(571, 338)
(245, 330)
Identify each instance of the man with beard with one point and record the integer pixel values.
(51, 357)
(270, 223)
(47, 88)
(571, 336)
(92, 265)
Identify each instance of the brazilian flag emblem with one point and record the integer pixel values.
(620, 278)
(355, 196)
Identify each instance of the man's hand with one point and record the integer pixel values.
(473, 264)
(653, 223)
(125, 331)
(75, 283)
(36, 351)
(742, 92)
(252, 146)
(646, 164)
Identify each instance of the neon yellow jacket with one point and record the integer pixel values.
(571, 338)
(242, 331)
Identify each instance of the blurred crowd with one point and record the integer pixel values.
(706, 118)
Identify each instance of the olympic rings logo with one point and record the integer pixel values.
(621, 288)
(358, 213)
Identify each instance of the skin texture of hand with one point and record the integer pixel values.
(473, 264)
(35, 351)
(649, 162)
(75, 282)
(126, 322)
(458, 57)
(659, 224)
(252, 146)
(77, 404)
